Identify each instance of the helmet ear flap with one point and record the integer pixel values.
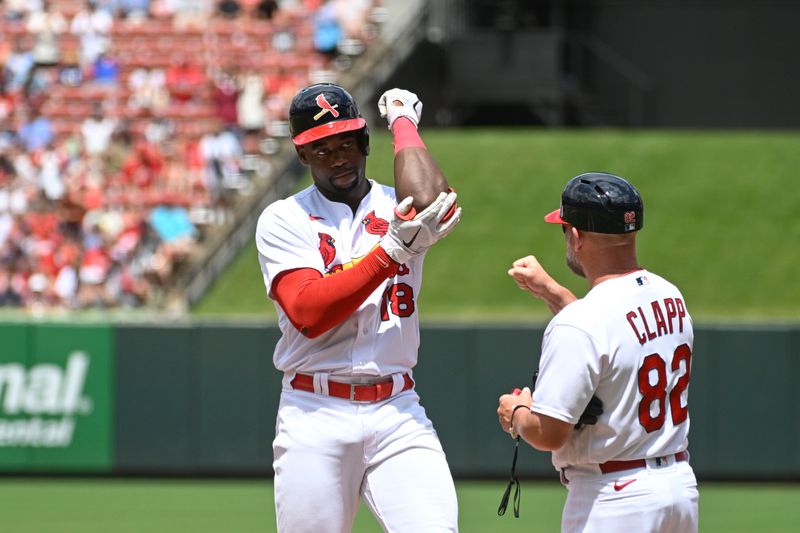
(363, 140)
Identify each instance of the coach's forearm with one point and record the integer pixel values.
(557, 297)
(542, 432)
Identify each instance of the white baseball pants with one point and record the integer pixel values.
(329, 452)
(654, 499)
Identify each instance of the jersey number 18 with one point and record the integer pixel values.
(657, 392)
(400, 299)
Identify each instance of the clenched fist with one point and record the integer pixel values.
(396, 103)
(530, 276)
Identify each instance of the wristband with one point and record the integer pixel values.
(406, 135)
(511, 423)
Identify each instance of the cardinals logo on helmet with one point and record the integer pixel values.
(630, 220)
(374, 224)
(328, 251)
(326, 107)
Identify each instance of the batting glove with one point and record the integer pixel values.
(396, 103)
(411, 234)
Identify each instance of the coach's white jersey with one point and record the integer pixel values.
(309, 231)
(629, 340)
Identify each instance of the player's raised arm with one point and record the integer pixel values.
(416, 174)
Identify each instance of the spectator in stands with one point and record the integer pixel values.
(266, 9)
(25, 173)
(184, 78)
(222, 153)
(71, 73)
(36, 132)
(116, 154)
(173, 227)
(5, 51)
(51, 165)
(142, 165)
(7, 101)
(41, 296)
(93, 26)
(9, 296)
(109, 6)
(162, 9)
(283, 40)
(191, 154)
(160, 131)
(148, 89)
(18, 67)
(136, 291)
(327, 29)
(39, 82)
(93, 271)
(250, 104)
(105, 70)
(6, 223)
(229, 8)
(192, 14)
(134, 9)
(47, 25)
(353, 16)
(96, 131)
(65, 284)
(226, 94)
(177, 236)
(17, 10)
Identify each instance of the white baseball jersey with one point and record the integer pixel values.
(309, 231)
(628, 341)
(329, 449)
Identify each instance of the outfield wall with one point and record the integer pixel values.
(201, 399)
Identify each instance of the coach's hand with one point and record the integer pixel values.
(508, 405)
(530, 276)
(396, 103)
(410, 233)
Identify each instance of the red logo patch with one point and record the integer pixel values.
(630, 217)
(326, 107)
(375, 225)
(326, 249)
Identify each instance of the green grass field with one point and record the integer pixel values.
(177, 506)
(721, 220)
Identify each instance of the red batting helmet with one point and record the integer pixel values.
(325, 109)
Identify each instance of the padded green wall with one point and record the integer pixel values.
(200, 399)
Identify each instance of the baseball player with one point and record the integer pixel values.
(629, 342)
(342, 261)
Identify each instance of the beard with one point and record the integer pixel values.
(573, 264)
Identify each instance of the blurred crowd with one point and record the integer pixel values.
(129, 127)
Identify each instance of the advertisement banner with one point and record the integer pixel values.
(56, 397)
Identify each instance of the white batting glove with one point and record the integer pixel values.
(396, 103)
(411, 234)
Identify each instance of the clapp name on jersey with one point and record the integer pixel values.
(663, 319)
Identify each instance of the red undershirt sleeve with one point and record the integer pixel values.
(315, 303)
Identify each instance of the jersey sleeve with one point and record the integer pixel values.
(284, 242)
(569, 372)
